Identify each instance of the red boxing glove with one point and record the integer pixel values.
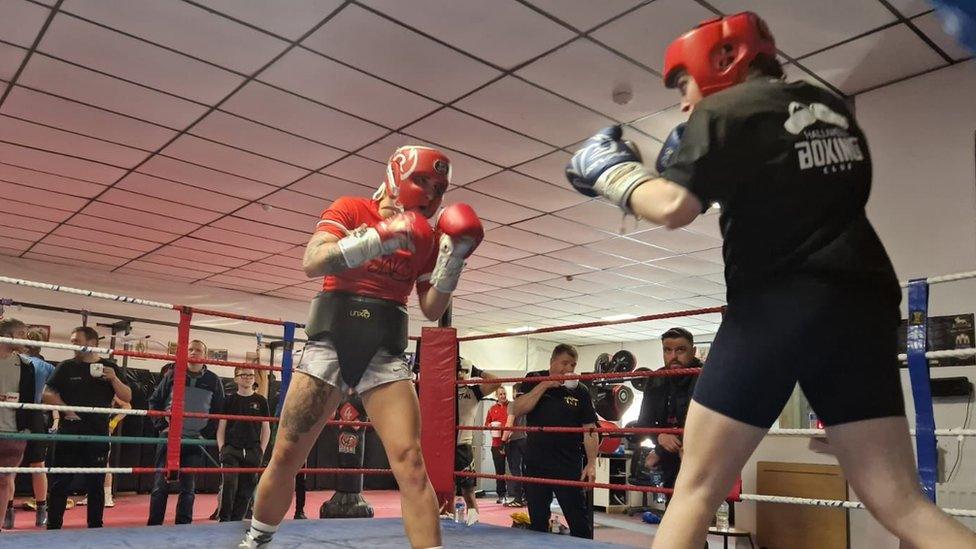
(460, 233)
(406, 231)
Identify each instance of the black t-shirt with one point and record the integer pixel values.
(792, 172)
(72, 380)
(244, 434)
(557, 407)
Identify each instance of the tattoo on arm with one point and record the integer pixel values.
(322, 256)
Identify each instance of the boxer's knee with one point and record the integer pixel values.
(407, 462)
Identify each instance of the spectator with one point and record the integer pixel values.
(204, 393)
(558, 455)
(468, 397)
(515, 452)
(665, 404)
(17, 384)
(35, 453)
(241, 444)
(85, 380)
(114, 428)
(497, 416)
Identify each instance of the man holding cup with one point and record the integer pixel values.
(85, 380)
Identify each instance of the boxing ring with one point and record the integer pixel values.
(437, 386)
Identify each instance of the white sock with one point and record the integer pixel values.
(259, 528)
(472, 517)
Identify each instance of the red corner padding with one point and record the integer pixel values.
(438, 391)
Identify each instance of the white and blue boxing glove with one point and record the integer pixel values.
(670, 148)
(608, 166)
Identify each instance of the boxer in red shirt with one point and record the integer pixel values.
(372, 252)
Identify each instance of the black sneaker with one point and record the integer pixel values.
(300, 515)
(41, 519)
(8, 519)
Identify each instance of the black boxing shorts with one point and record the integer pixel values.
(838, 341)
(464, 461)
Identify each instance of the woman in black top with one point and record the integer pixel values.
(804, 272)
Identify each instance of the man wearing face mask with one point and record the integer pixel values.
(558, 455)
(666, 401)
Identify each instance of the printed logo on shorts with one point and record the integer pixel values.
(831, 149)
(362, 313)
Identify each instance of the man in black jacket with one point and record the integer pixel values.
(666, 401)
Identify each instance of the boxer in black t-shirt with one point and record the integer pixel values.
(241, 444)
(812, 296)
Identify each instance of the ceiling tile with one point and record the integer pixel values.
(16, 207)
(279, 218)
(114, 226)
(569, 307)
(646, 273)
(606, 71)
(476, 137)
(21, 233)
(715, 255)
(932, 27)
(521, 106)
(185, 28)
(25, 223)
(388, 50)
(600, 214)
(221, 236)
(85, 44)
(520, 189)
(584, 14)
(523, 240)
(328, 188)
(109, 93)
(195, 214)
(299, 17)
(489, 207)
(42, 137)
(328, 82)
(567, 230)
(645, 33)
(678, 240)
(240, 283)
(139, 218)
(294, 114)
(88, 245)
(264, 230)
(13, 246)
(518, 272)
(801, 27)
(296, 202)
(464, 168)
(499, 252)
(59, 164)
(97, 258)
(224, 158)
(515, 295)
(875, 59)
(361, 170)
(72, 116)
(546, 290)
(202, 177)
(706, 224)
(10, 59)
(552, 265)
(50, 182)
(661, 123)
(688, 265)
(235, 131)
(161, 272)
(630, 249)
(498, 281)
(910, 8)
(119, 241)
(502, 32)
(178, 192)
(702, 302)
(550, 168)
(589, 258)
(218, 248)
(21, 21)
(697, 285)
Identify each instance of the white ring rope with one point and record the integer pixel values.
(65, 470)
(952, 353)
(833, 503)
(86, 293)
(954, 432)
(946, 278)
(82, 409)
(51, 345)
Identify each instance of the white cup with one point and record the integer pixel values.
(96, 369)
(570, 383)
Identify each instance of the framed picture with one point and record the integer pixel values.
(171, 348)
(45, 331)
(217, 354)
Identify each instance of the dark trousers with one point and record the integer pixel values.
(190, 456)
(515, 455)
(669, 464)
(77, 454)
(498, 457)
(299, 493)
(572, 501)
(237, 489)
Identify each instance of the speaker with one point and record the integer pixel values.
(951, 387)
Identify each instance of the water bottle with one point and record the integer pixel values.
(459, 510)
(722, 517)
(812, 420)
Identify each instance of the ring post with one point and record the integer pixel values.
(918, 370)
(179, 393)
(438, 393)
(286, 365)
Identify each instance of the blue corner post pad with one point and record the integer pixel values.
(918, 370)
(286, 365)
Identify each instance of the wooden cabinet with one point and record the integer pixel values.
(782, 526)
(611, 469)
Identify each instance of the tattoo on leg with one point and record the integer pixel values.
(306, 412)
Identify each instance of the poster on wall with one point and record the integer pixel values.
(217, 354)
(43, 331)
(945, 333)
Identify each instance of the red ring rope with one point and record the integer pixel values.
(663, 372)
(603, 430)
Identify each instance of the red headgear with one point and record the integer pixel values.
(411, 161)
(718, 51)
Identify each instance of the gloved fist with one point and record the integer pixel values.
(460, 233)
(666, 157)
(608, 166)
(404, 231)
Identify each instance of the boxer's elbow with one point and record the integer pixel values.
(681, 211)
